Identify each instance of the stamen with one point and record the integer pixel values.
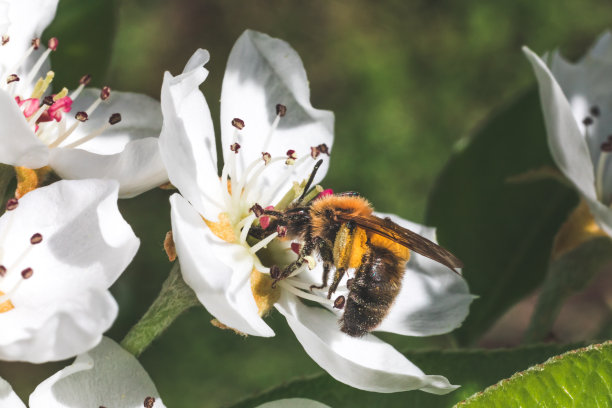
(34, 71)
(35, 43)
(269, 193)
(305, 295)
(148, 402)
(588, 121)
(2, 271)
(12, 204)
(263, 243)
(53, 43)
(83, 82)
(238, 123)
(114, 119)
(27, 273)
(36, 239)
(5, 39)
(23, 57)
(248, 221)
(281, 110)
(339, 302)
(235, 147)
(12, 78)
(595, 111)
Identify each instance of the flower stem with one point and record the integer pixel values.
(7, 173)
(174, 298)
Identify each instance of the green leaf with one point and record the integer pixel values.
(500, 228)
(567, 275)
(579, 378)
(473, 369)
(86, 30)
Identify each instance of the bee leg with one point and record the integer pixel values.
(337, 278)
(327, 255)
(277, 274)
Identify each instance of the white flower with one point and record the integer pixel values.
(61, 248)
(270, 134)
(77, 134)
(577, 105)
(107, 376)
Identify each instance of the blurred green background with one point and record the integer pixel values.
(406, 80)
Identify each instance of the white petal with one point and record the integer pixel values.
(105, 376)
(366, 362)
(8, 398)
(293, 403)
(137, 168)
(187, 141)
(262, 72)
(218, 272)
(433, 299)
(565, 139)
(20, 147)
(26, 20)
(56, 330)
(86, 245)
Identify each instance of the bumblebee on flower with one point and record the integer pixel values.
(271, 139)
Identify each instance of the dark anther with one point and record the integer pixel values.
(36, 239)
(266, 157)
(105, 93)
(291, 154)
(595, 111)
(282, 231)
(257, 210)
(36, 43)
(27, 273)
(148, 402)
(606, 147)
(235, 147)
(323, 148)
(85, 80)
(114, 118)
(12, 204)
(339, 302)
(5, 39)
(587, 121)
(281, 110)
(81, 116)
(275, 272)
(238, 123)
(53, 43)
(349, 283)
(2, 271)
(12, 78)
(48, 100)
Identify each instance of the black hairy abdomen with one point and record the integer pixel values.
(372, 291)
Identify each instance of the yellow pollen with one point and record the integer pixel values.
(6, 305)
(29, 180)
(42, 85)
(222, 229)
(264, 294)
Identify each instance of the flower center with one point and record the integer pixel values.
(46, 114)
(14, 274)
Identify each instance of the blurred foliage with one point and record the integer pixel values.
(473, 369)
(407, 80)
(502, 230)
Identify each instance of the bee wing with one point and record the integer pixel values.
(404, 237)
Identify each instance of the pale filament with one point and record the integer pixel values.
(36, 67)
(263, 243)
(271, 132)
(90, 136)
(305, 295)
(282, 179)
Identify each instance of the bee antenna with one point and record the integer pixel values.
(310, 179)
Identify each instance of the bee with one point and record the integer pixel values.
(344, 232)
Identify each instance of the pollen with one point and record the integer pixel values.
(264, 294)
(223, 228)
(5, 306)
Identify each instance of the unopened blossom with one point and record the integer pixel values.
(107, 376)
(83, 133)
(271, 138)
(61, 248)
(577, 105)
